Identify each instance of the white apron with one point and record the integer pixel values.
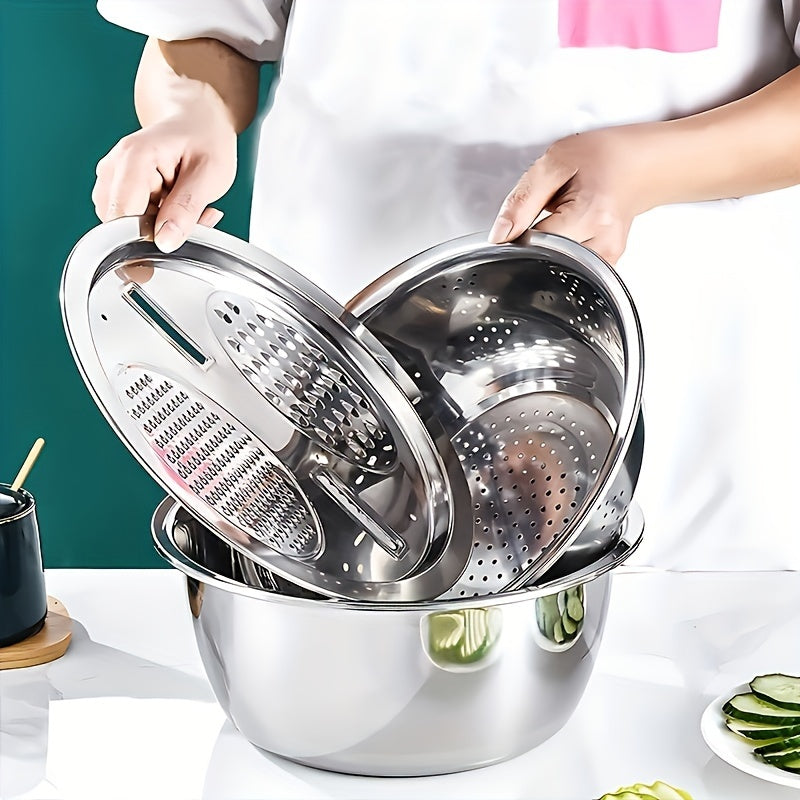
(398, 124)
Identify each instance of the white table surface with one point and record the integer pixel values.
(128, 713)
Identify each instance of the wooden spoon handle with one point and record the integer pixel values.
(27, 465)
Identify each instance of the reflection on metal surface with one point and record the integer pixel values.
(408, 689)
(195, 589)
(462, 640)
(560, 618)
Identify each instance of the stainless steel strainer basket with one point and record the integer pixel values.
(530, 354)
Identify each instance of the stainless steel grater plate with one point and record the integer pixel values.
(281, 356)
(270, 413)
(205, 450)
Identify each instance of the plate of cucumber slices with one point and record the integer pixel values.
(755, 727)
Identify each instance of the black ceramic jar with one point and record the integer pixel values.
(23, 597)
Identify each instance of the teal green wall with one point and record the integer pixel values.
(66, 78)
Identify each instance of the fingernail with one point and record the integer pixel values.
(169, 237)
(500, 230)
(211, 217)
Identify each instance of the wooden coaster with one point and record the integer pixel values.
(49, 644)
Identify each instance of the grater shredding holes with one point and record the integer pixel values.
(221, 464)
(303, 382)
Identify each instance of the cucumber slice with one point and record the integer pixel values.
(569, 625)
(781, 746)
(760, 731)
(749, 708)
(791, 765)
(627, 794)
(575, 607)
(789, 758)
(768, 718)
(763, 742)
(663, 792)
(547, 612)
(463, 637)
(446, 629)
(659, 790)
(781, 690)
(645, 791)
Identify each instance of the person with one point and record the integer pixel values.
(663, 134)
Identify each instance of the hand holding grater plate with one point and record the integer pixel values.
(268, 411)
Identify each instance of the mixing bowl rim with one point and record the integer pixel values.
(163, 520)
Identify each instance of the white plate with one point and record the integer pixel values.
(732, 749)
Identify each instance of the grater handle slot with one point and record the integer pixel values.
(361, 513)
(156, 316)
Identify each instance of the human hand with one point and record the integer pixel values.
(173, 169)
(593, 184)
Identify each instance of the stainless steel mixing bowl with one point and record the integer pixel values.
(408, 689)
